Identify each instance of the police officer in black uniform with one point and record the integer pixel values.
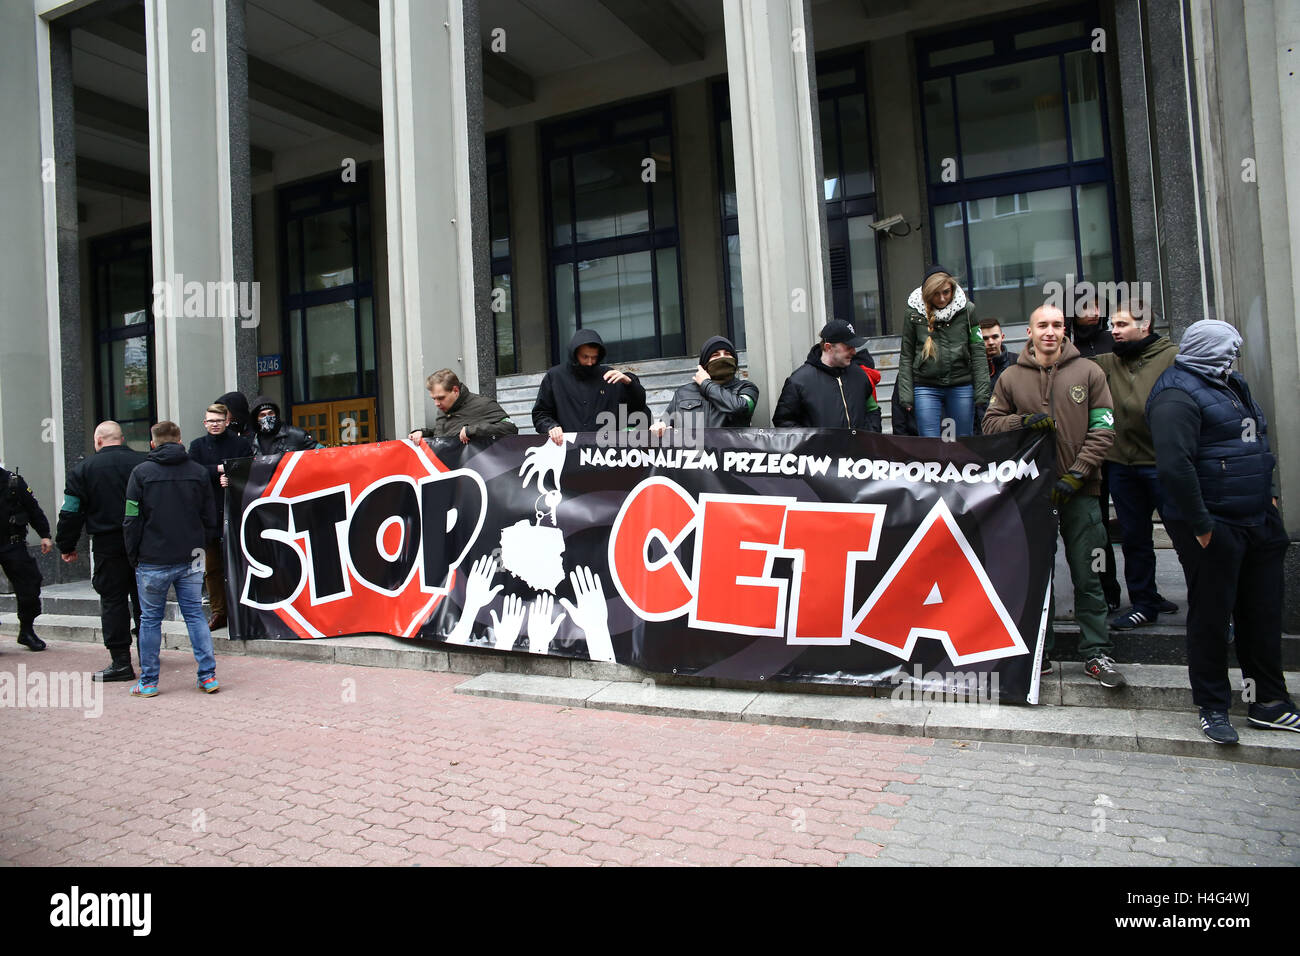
(18, 509)
(94, 496)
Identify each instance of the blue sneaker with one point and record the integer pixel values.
(1216, 726)
(209, 685)
(141, 689)
(1277, 716)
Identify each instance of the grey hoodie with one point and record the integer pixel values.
(1209, 346)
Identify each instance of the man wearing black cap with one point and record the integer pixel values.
(830, 390)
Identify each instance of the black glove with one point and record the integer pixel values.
(1066, 488)
(1038, 422)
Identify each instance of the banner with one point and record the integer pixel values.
(791, 555)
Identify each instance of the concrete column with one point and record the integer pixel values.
(31, 402)
(783, 245)
(1185, 274)
(1135, 156)
(194, 171)
(431, 236)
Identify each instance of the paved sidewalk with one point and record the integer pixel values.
(297, 762)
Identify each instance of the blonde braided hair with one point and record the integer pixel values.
(929, 289)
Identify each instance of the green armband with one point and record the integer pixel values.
(71, 503)
(132, 508)
(1101, 418)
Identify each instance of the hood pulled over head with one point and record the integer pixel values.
(586, 337)
(1209, 346)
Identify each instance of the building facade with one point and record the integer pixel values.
(325, 200)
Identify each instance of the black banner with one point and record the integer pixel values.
(762, 555)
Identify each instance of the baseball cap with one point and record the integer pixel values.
(838, 330)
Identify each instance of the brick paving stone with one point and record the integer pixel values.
(283, 771)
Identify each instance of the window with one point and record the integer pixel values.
(1018, 159)
(612, 231)
(328, 300)
(848, 193)
(504, 326)
(122, 270)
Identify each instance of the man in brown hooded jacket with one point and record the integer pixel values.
(1053, 389)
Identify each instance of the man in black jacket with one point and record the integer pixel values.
(272, 435)
(18, 509)
(212, 451)
(1216, 472)
(461, 413)
(170, 518)
(573, 394)
(830, 390)
(716, 397)
(94, 497)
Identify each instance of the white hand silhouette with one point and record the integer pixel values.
(591, 613)
(507, 628)
(478, 595)
(545, 459)
(541, 629)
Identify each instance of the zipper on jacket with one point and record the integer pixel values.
(848, 421)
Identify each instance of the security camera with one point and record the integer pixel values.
(884, 225)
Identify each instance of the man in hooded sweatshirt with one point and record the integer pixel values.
(272, 435)
(574, 393)
(170, 518)
(1217, 473)
(830, 390)
(716, 397)
(1055, 391)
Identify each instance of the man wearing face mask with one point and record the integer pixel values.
(716, 396)
(271, 435)
(1216, 471)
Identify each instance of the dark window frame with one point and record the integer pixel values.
(294, 305)
(653, 240)
(1071, 174)
(104, 251)
(498, 145)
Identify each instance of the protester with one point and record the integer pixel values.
(574, 393)
(1138, 358)
(1052, 389)
(995, 351)
(272, 435)
(18, 509)
(942, 370)
(829, 390)
(170, 518)
(240, 419)
(1090, 331)
(94, 497)
(462, 414)
(716, 397)
(212, 451)
(1214, 462)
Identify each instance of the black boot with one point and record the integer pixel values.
(120, 669)
(28, 639)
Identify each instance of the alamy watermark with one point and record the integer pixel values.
(1079, 298)
(208, 300)
(637, 430)
(952, 687)
(75, 690)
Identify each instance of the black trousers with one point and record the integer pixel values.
(21, 570)
(1237, 578)
(119, 603)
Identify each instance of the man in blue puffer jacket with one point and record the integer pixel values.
(1213, 458)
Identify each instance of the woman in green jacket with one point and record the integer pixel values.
(942, 372)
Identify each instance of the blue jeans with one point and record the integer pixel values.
(1136, 492)
(153, 582)
(933, 405)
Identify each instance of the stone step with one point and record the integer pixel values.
(1154, 687)
(1081, 726)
